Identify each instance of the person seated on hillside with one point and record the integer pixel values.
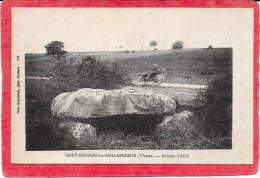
(153, 73)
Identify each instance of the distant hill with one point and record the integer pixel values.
(182, 65)
(217, 61)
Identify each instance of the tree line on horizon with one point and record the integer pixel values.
(56, 48)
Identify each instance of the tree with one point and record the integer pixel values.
(177, 45)
(56, 49)
(210, 47)
(153, 43)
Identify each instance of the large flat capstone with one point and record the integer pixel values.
(90, 103)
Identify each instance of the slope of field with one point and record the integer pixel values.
(186, 66)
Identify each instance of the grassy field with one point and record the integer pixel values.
(187, 66)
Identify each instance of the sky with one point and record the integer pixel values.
(99, 29)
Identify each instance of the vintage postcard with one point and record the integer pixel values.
(98, 85)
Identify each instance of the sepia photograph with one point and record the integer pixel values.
(123, 79)
(150, 87)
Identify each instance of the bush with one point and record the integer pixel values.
(181, 132)
(126, 51)
(217, 112)
(177, 45)
(42, 131)
(93, 73)
(210, 47)
(45, 135)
